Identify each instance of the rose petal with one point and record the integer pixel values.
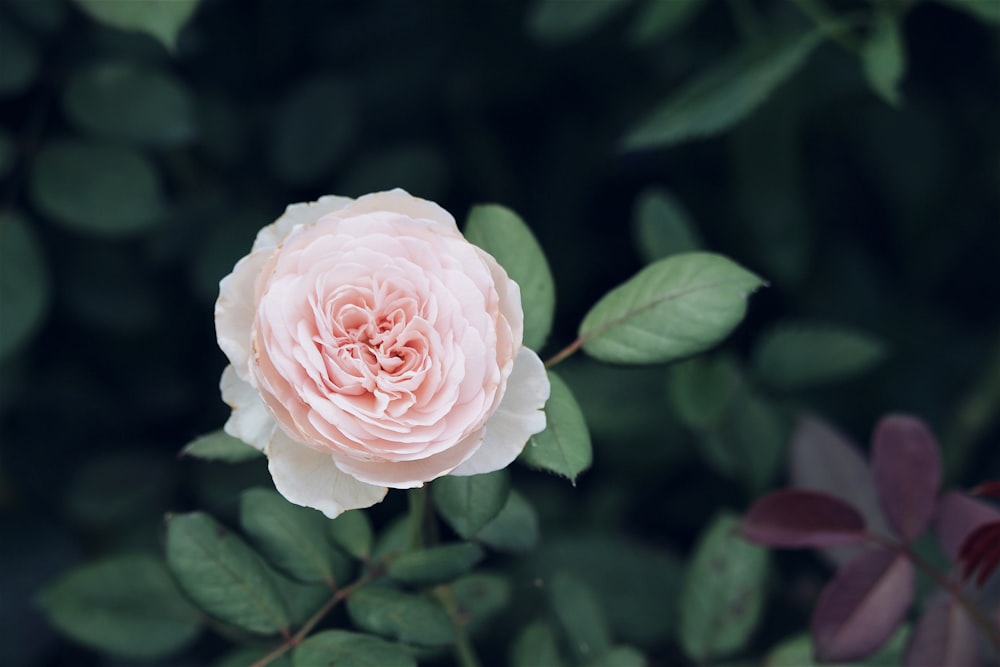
(401, 201)
(310, 478)
(234, 311)
(519, 416)
(298, 214)
(250, 421)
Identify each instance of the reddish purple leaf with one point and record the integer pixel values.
(907, 469)
(862, 606)
(800, 518)
(824, 460)
(944, 635)
(957, 516)
(991, 488)
(980, 552)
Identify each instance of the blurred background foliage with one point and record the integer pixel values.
(848, 151)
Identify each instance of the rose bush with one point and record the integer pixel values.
(372, 346)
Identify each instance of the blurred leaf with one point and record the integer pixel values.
(246, 655)
(352, 532)
(944, 635)
(514, 529)
(564, 446)
(436, 565)
(906, 464)
(220, 446)
(723, 592)
(701, 388)
(162, 19)
(19, 58)
(126, 605)
(313, 126)
(535, 646)
(561, 21)
(757, 434)
(799, 652)
(984, 10)
(420, 169)
(8, 153)
(501, 232)
(797, 518)
(479, 596)
(141, 484)
(657, 20)
(579, 614)
(671, 309)
(392, 540)
(223, 576)
(979, 553)
(96, 188)
(884, 57)
(637, 586)
(862, 606)
(131, 103)
(794, 355)
(45, 16)
(723, 95)
(957, 516)
(350, 649)
(403, 616)
(302, 600)
(469, 503)
(660, 225)
(618, 656)
(25, 289)
(294, 539)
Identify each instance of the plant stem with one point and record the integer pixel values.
(990, 629)
(565, 352)
(418, 509)
(464, 651)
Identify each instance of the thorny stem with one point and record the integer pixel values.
(565, 352)
(338, 597)
(985, 623)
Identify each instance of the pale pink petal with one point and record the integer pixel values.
(298, 214)
(412, 474)
(401, 201)
(250, 421)
(519, 416)
(310, 478)
(234, 311)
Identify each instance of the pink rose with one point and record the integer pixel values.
(372, 346)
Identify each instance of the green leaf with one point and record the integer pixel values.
(618, 656)
(564, 446)
(579, 614)
(313, 126)
(220, 446)
(723, 592)
(535, 646)
(223, 576)
(469, 503)
(350, 649)
(96, 188)
(352, 532)
(723, 95)
(25, 287)
(560, 21)
(126, 605)
(435, 565)
(294, 539)
(161, 19)
(798, 651)
(501, 232)
(20, 60)
(884, 57)
(514, 529)
(795, 355)
(130, 102)
(249, 655)
(403, 616)
(657, 19)
(701, 388)
(479, 596)
(673, 308)
(661, 227)
(142, 483)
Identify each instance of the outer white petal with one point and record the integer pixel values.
(250, 420)
(401, 201)
(307, 477)
(519, 416)
(234, 311)
(298, 214)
